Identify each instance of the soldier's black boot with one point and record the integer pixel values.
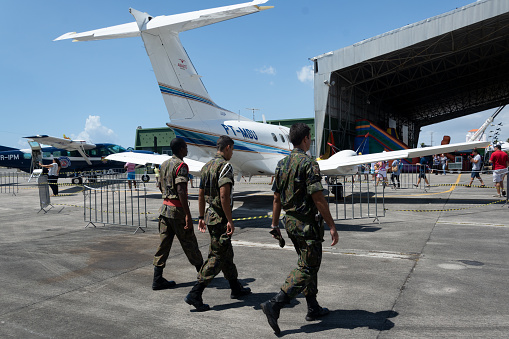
(272, 307)
(194, 298)
(159, 283)
(238, 290)
(314, 310)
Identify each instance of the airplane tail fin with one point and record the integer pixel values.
(6, 148)
(184, 94)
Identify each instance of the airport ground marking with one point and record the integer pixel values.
(332, 250)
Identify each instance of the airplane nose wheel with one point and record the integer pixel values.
(77, 181)
(145, 178)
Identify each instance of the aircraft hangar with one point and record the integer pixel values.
(438, 69)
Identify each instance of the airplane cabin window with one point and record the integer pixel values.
(27, 156)
(274, 137)
(46, 154)
(116, 149)
(282, 137)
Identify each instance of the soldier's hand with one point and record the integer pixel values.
(230, 228)
(201, 226)
(276, 233)
(189, 223)
(334, 236)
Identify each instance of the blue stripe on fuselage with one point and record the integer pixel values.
(165, 89)
(202, 139)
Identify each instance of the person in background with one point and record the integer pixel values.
(443, 162)
(372, 171)
(396, 171)
(499, 161)
(475, 159)
(436, 164)
(53, 171)
(381, 166)
(423, 166)
(131, 174)
(156, 172)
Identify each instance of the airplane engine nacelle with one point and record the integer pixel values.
(343, 155)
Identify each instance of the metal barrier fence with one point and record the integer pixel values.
(9, 183)
(113, 202)
(408, 177)
(353, 199)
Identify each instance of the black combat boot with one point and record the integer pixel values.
(238, 290)
(194, 298)
(272, 307)
(159, 283)
(314, 310)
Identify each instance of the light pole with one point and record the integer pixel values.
(253, 109)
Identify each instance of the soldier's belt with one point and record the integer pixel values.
(302, 217)
(172, 202)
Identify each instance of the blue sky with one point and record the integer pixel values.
(101, 91)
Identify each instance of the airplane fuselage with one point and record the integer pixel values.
(258, 147)
(71, 161)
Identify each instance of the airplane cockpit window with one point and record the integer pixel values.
(93, 152)
(116, 149)
(282, 137)
(274, 137)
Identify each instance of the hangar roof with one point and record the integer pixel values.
(434, 70)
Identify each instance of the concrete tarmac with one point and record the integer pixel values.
(435, 266)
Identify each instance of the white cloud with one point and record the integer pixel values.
(305, 74)
(95, 132)
(267, 70)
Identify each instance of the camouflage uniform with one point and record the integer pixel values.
(297, 177)
(172, 219)
(216, 173)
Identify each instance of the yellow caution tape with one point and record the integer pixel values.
(449, 209)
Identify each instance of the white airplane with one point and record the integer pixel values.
(199, 121)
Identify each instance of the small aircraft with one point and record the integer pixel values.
(77, 157)
(200, 121)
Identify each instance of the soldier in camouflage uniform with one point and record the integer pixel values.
(216, 187)
(298, 190)
(174, 215)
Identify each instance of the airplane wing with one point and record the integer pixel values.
(346, 162)
(148, 158)
(67, 144)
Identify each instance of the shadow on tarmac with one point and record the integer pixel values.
(348, 319)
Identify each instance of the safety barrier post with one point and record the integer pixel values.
(360, 203)
(112, 196)
(9, 182)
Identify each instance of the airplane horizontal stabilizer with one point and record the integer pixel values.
(176, 23)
